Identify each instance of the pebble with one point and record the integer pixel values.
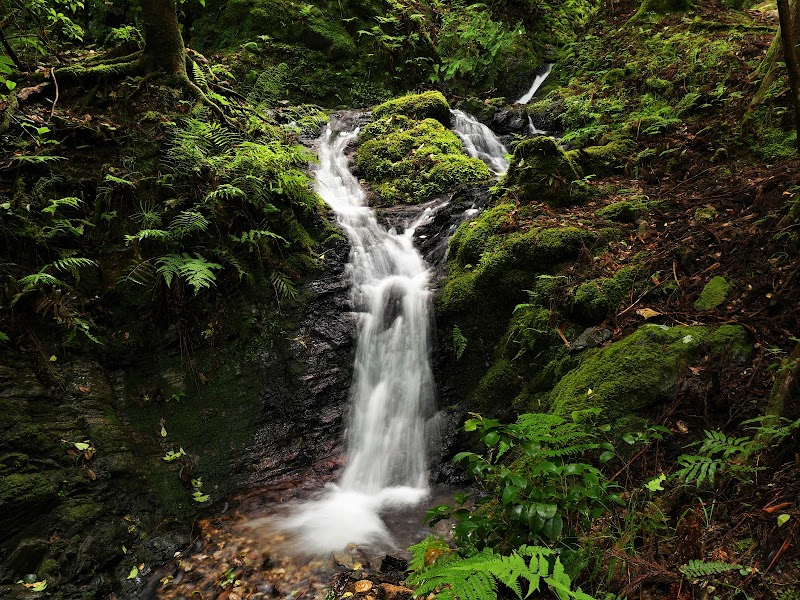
(363, 586)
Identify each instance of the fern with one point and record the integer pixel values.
(187, 222)
(72, 264)
(54, 205)
(148, 234)
(696, 569)
(197, 271)
(225, 191)
(717, 453)
(283, 286)
(453, 577)
(198, 74)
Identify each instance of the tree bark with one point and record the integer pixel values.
(163, 43)
(790, 56)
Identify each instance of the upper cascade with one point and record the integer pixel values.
(537, 83)
(480, 142)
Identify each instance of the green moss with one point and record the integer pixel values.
(714, 293)
(705, 214)
(76, 515)
(428, 105)
(593, 299)
(541, 171)
(633, 374)
(471, 238)
(500, 267)
(603, 159)
(495, 390)
(625, 211)
(409, 161)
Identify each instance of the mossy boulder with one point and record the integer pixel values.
(410, 161)
(541, 171)
(603, 159)
(493, 394)
(428, 105)
(504, 265)
(714, 293)
(593, 299)
(625, 211)
(632, 375)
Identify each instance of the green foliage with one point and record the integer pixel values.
(195, 271)
(476, 577)
(718, 452)
(459, 342)
(697, 569)
(550, 491)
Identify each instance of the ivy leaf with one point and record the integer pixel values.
(654, 485)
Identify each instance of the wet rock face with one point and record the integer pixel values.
(510, 120)
(305, 398)
(433, 237)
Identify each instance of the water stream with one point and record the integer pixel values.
(537, 82)
(392, 390)
(480, 142)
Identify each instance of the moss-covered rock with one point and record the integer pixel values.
(593, 299)
(500, 384)
(428, 105)
(541, 171)
(505, 265)
(635, 373)
(625, 211)
(606, 158)
(410, 161)
(714, 293)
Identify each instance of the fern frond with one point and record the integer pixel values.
(225, 191)
(71, 202)
(148, 234)
(477, 577)
(196, 271)
(198, 75)
(695, 569)
(283, 285)
(188, 222)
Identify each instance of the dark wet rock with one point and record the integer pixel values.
(590, 338)
(304, 399)
(433, 237)
(394, 567)
(510, 120)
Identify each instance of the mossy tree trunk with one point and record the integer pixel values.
(790, 56)
(163, 44)
(766, 70)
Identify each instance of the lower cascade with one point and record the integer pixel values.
(392, 394)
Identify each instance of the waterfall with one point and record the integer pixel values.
(480, 142)
(536, 84)
(392, 388)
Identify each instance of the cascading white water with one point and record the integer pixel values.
(392, 388)
(480, 142)
(537, 82)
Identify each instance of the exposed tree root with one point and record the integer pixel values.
(137, 64)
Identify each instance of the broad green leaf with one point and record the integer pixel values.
(134, 572)
(782, 519)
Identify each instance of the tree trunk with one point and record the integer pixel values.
(790, 56)
(163, 44)
(766, 70)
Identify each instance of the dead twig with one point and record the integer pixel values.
(55, 100)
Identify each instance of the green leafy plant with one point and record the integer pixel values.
(697, 569)
(551, 485)
(436, 568)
